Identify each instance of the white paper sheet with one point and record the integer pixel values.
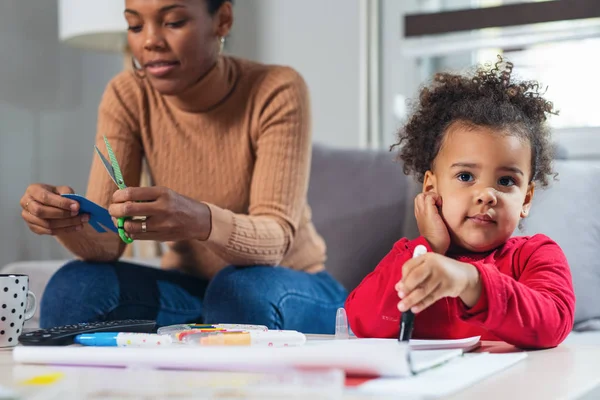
(375, 357)
(421, 359)
(466, 344)
(456, 375)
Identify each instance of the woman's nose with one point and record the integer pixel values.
(154, 40)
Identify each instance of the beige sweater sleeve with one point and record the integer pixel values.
(117, 120)
(280, 177)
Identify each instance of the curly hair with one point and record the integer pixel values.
(488, 97)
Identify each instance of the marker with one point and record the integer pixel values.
(234, 327)
(280, 338)
(408, 317)
(178, 336)
(173, 329)
(123, 339)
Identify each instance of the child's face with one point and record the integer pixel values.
(482, 176)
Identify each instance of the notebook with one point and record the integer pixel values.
(466, 344)
(362, 357)
(454, 376)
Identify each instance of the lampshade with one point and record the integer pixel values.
(93, 24)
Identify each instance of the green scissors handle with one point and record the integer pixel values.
(121, 229)
(117, 176)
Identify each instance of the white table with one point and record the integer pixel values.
(570, 371)
(567, 372)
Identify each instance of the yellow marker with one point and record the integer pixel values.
(42, 380)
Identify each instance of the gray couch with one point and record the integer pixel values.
(362, 204)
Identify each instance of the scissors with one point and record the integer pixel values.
(115, 173)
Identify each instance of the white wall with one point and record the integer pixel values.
(400, 76)
(49, 95)
(321, 40)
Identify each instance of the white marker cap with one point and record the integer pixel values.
(341, 324)
(419, 251)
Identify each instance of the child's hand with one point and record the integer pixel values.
(431, 225)
(429, 277)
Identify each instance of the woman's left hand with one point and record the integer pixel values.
(170, 216)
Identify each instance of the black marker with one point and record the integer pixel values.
(408, 317)
(406, 326)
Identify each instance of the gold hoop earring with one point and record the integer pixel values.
(221, 44)
(137, 68)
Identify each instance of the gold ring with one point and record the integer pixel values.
(27, 207)
(143, 226)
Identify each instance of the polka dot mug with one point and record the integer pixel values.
(17, 305)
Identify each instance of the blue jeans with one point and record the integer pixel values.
(277, 297)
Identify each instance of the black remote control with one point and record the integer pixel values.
(64, 335)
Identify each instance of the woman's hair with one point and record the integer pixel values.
(488, 97)
(214, 5)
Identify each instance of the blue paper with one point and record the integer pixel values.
(99, 216)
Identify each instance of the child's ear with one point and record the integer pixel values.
(429, 182)
(528, 199)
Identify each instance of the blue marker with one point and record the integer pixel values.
(123, 339)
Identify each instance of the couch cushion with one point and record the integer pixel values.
(566, 212)
(358, 199)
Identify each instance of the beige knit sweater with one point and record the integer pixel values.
(239, 141)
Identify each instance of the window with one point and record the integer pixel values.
(569, 72)
(556, 42)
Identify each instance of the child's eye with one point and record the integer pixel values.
(135, 29)
(465, 177)
(506, 181)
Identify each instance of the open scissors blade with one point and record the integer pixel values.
(113, 169)
(112, 166)
(107, 165)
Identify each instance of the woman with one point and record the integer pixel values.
(228, 144)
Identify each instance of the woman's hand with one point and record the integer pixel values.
(46, 212)
(428, 278)
(169, 215)
(431, 225)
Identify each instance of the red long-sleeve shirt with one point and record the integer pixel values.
(527, 297)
